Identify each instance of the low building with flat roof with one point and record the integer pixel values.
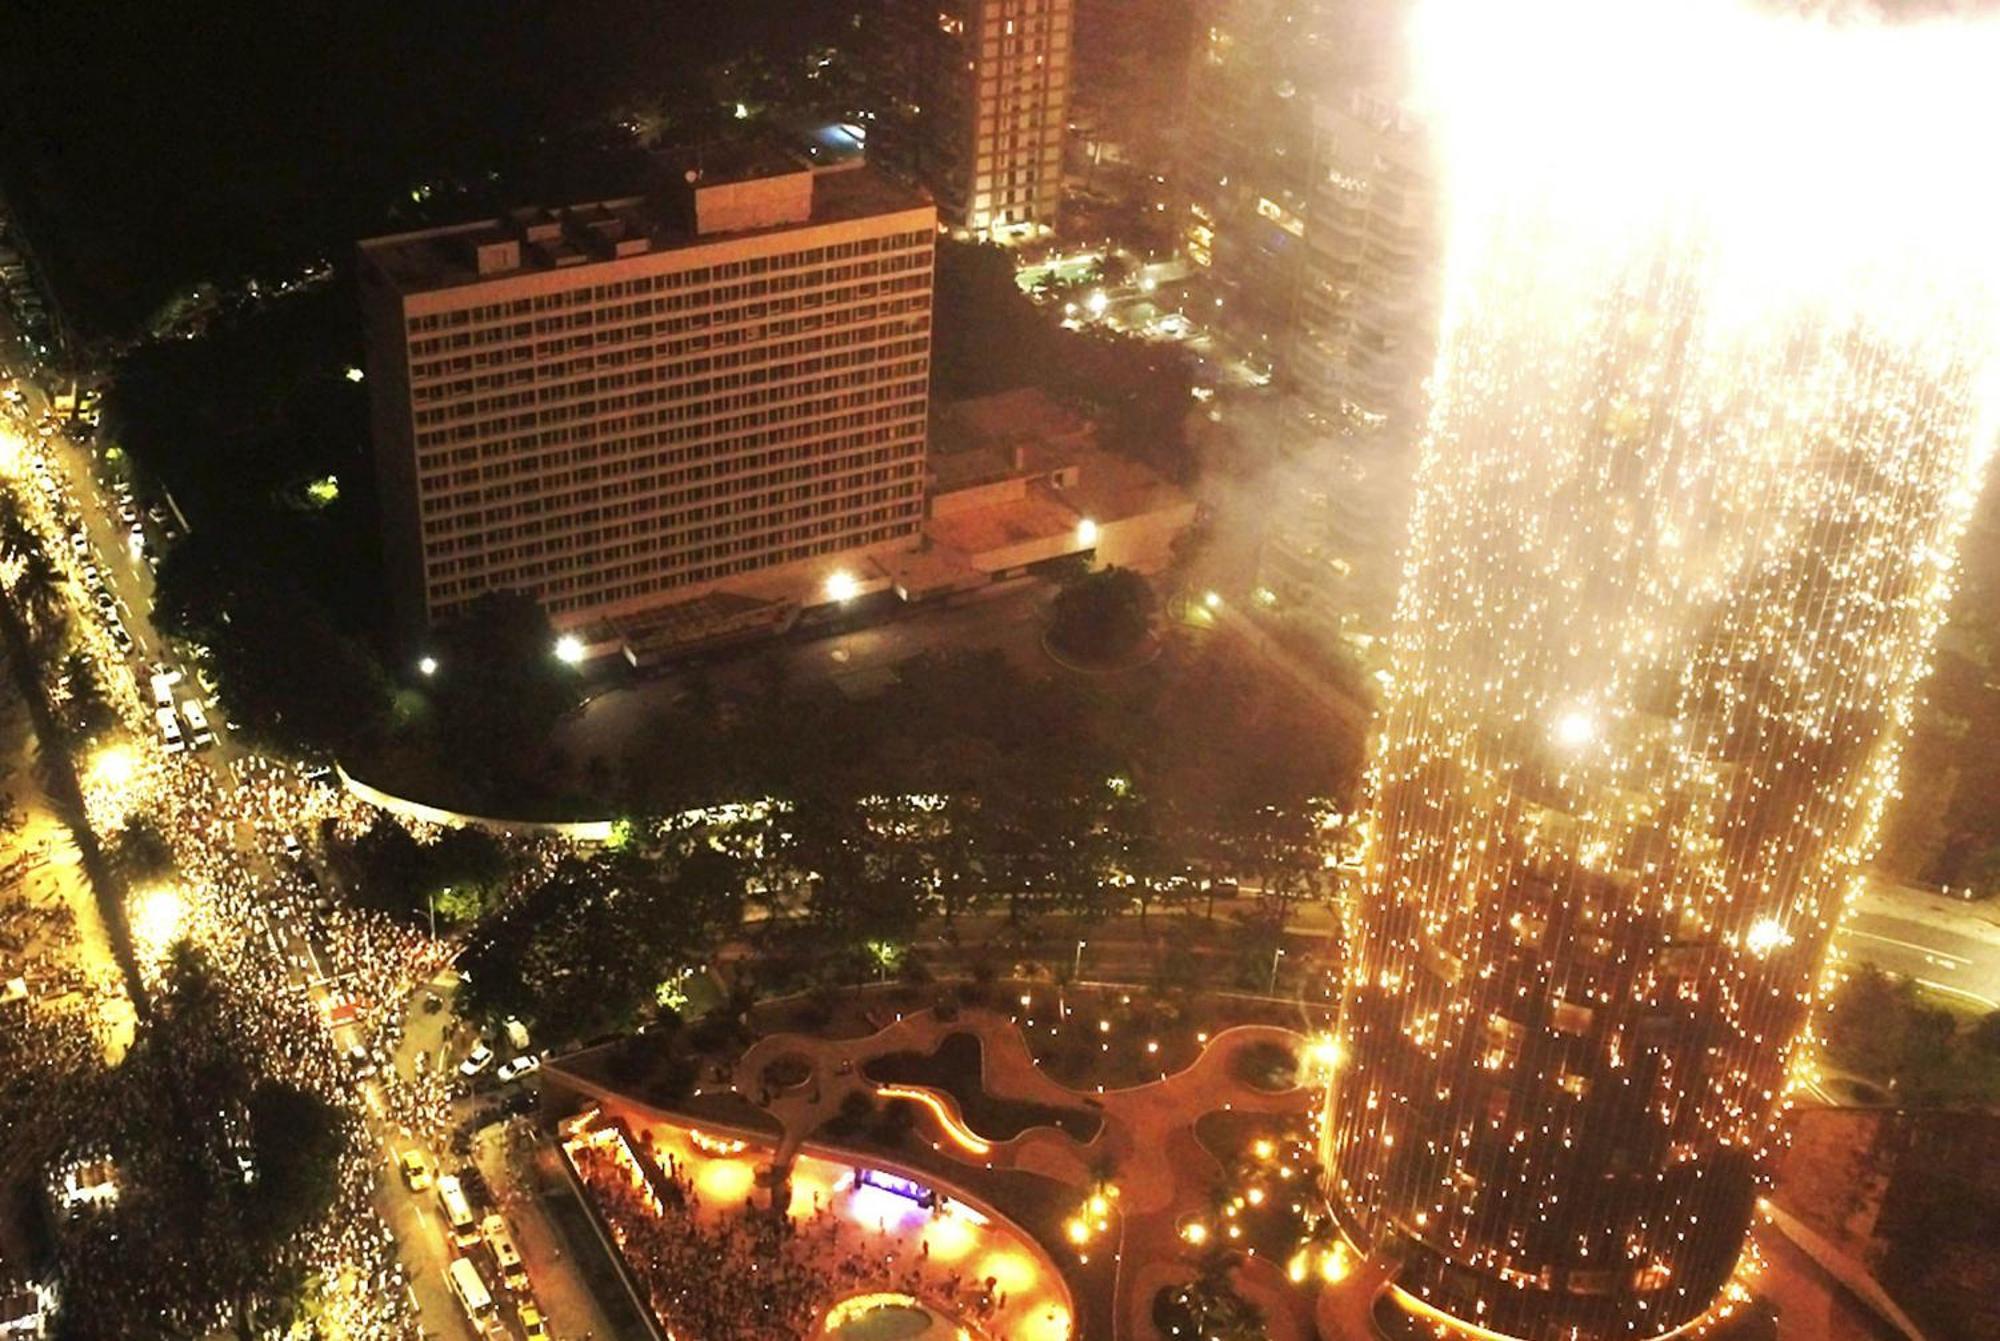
(1018, 481)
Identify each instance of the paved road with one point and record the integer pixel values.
(1945, 944)
(85, 495)
(856, 662)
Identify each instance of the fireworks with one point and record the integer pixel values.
(1712, 403)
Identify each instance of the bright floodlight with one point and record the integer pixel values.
(842, 587)
(1765, 935)
(355, 375)
(1086, 533)
(569, 649)
(1098, 302)
(1575, 729)
(429, 665)
(156, 917)
(113, 766)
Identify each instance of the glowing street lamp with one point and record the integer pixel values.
(157, 916)
(428, 666)
(1086, 533)
(569, 649)
(113, 766)
(1575, 729)
(842, 587)
(1212, 599)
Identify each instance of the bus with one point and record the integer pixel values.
(471, 1292)
(507, 1257)
(457, 1211)
(199, 735)
(170, 729)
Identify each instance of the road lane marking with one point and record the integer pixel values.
(1927, 951)
(1986, 1001)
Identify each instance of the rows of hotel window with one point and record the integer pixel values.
(811, 398)
(815, 289)
(433, 440)
(1044, 82)
(476, 521)
(592, 536)
(703, 374)
(461, 521)
(584, 590)
(430, 420)
(515, 327)
(519, 365)
(919, 242)
(610, 448)
(849, 305)
(621, 438)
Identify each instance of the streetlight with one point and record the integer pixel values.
(1076, 969)
(1213, 600)
(842, 587)
(569, 649)
(1274, 970)
(428, 666)
(1086, 533)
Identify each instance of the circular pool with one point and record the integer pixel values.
(881, 1318)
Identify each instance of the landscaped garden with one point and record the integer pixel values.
(955, 1069)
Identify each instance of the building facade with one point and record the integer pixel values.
(972, 103)
(1306, 198)
(1358, 350)
(1686, 517)
(622, 404)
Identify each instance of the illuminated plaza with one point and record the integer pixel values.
(878, 1241)
(1707, 423)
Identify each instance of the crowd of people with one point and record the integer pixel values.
(743, 1273)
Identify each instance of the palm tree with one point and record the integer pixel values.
(1218, 1312)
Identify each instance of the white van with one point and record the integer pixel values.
(506, 1257)
(170, 730)
(199, 735)
(457, 1211)
(163, 688)
(470, 1291)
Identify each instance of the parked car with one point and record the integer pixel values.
(524, 1065)
(476, 1061)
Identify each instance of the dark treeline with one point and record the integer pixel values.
(151, 147)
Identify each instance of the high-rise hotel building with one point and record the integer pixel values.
(1687, 510)
(621, 404)
(973, 103)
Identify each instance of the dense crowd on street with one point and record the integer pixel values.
(249, 909)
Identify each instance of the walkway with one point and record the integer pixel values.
(1162, 1171)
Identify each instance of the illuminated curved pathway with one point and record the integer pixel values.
(1162, 1171)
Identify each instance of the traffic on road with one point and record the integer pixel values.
(415, 1244)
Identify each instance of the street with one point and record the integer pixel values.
(253, 896)
(1942, 943)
